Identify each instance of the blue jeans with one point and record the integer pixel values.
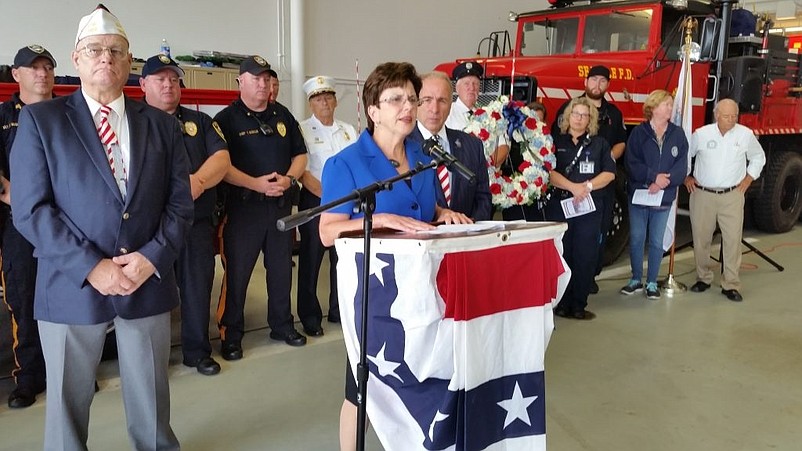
(641, 220)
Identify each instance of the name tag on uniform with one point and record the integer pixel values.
(586, 167)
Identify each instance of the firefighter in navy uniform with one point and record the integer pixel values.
(268, 155)
(209, 162)
(613, 130)
(34, 71)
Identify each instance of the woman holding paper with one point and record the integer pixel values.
(657, 163)
(584, 167)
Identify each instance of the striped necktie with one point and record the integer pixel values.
(113, 151)
(443, 176)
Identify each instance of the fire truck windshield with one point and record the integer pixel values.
(614, 31)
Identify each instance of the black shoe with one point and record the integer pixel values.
(562, 313)
(583, 315)
(22, 397)
(314, 331)
(334, 318)
(205, 365)
(700, 286)
(594, 287)
(732, 295)
(292, 338)
(231, 351)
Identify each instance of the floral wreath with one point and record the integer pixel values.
(530, 181)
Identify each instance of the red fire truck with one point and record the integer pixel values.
(639, 41)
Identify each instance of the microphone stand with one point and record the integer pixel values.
(367, 205)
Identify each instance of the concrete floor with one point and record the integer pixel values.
(693, 372)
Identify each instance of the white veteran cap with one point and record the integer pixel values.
(101, 21)
(319, 85)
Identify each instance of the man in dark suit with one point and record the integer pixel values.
(107, 216)
(471, 199)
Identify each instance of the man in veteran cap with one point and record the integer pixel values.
(34, 72)
(208, 159)
(325, 136)
(468, 76)
(106, 203)
(268, 156)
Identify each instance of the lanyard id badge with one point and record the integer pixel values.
(586, 167)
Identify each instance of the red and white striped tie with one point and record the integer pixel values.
(445, 182)
(113, 152)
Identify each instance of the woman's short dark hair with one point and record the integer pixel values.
(384, 76)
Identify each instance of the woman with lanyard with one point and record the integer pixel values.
(657, 163)
(584, 167)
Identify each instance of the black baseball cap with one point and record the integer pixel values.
(599, 70)
(159, 62)
(254, 65)
(27, 55)
(467, 68)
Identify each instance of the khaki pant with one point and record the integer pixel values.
(726, 210)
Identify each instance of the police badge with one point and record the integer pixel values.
(164, 59)
(190, 127)
(282, 129)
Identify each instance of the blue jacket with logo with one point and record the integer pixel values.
(645, 158)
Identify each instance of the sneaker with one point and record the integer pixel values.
(632, 287)
(652, 292)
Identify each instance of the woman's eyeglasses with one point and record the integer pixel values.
(399, 100)
(577, 115)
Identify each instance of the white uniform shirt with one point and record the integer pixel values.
(721, 161)
(323, 142)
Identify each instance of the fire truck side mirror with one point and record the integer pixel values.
(711, 27)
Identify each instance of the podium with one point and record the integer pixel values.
(458, 327)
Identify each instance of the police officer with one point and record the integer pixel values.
(33, 70)
(325, 136)
(209, 161)
(268, 156)
(612, 129)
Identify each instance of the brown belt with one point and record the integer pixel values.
(716, 191)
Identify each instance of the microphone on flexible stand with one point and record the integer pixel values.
(433, 148)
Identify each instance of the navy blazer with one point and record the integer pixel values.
(473, 200)
(69, 207)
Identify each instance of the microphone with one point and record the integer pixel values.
(433, 148)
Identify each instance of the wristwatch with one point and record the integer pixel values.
(589, 185)
(293, 180)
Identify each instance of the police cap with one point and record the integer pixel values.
(254, 65)
(467, 68)
(27, 55)
(159, 62)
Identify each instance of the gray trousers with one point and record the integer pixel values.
(72, 354)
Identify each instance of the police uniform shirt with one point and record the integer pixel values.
(721, 160)
(323, 142)
(253, 152)
(202, 138)
(594, 158)
(9, 118)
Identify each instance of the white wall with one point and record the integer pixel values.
(235, 26)
(337, 32)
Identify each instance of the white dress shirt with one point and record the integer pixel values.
(118, 122)
(722, 161)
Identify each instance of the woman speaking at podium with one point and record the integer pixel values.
(390, 96)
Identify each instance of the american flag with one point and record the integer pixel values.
(457, 334)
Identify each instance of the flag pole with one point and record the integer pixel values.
(670, 286)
